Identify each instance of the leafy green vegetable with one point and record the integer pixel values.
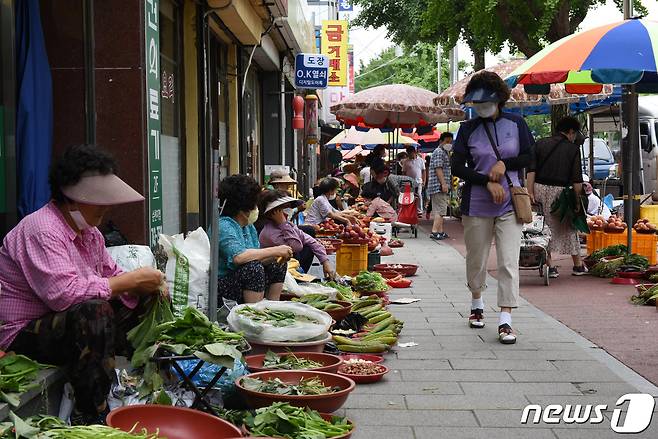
(607, 269)
(307, 386)
(367, 281)
(17, 375)
(274, 317)
(613, 250)
(647, 296)
(344, 291)
(288, 362)
(283, 420)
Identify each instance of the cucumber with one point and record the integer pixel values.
(379, 318)
(377, 335)
(364, 304)
(370, 348)
(383, 324)
(344, 340)
(331, 306)
(366, 311)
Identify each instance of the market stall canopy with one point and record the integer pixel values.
(352, 137)
(350, 154)
(617, 53)
(394, 105)
(453, 95)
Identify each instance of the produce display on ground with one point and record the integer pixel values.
(17, 375)
(644, 225)
(646, 295)
(282, 420)
(309, 386)
(288, 362)
(319, 301)
(368, 281)
(275, 317)
(50, 427)
(361, 367)
(614, 225)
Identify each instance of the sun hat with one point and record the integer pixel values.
(352, 179)
(101, 190)
(337, 173)
(281, 177)
(279, 202)
(481, 95)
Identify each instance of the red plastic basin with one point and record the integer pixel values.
(330, 362)
(172, 422)
(405, 269)
(327, 403)
(365, 379)
(366, 357)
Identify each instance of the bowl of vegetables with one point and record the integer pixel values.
(368, 283)
(389, 274)
(405, 269)
(316, 345)
(171, 422)
(363, 371)
(337, 309)
(293, 361)
(367, 357)
(297, 422)
(321, 391)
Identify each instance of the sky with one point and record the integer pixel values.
(368, 43)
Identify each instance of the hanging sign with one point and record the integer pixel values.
(152, 33)
(345, 6)
(311, 70)
(334, 45)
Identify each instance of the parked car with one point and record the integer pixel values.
(604, 160)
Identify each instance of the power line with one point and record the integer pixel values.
(378, 67)
(380, 82)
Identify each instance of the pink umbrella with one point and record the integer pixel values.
(395, 105)
(452, 96)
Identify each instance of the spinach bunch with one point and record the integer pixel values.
(285, 421)
(17, 375)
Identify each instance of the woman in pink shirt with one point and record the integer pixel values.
(64, 301)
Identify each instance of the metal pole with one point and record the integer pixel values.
(438, 67)
(591, 147)
(629, 145)
(453, 65)
(282, 116)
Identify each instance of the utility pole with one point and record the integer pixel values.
(438, 67)
(454, 65)
(630, 147)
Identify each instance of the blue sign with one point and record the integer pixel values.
(345, 6)
(311, 70)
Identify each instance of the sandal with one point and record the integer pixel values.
(506, 334)
(476, 319)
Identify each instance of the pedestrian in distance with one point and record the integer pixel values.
(438, 186)
(414, 167)
(487, 209)
(557, 165)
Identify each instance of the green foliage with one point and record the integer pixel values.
(416, 66)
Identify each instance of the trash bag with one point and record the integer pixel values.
(259, 331)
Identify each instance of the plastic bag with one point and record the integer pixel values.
(291, 286)
(132, 257)
(266, 332)
(208, 371)
(188, 269)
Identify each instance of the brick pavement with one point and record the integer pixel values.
(462, 383)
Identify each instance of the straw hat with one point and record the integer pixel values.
(281, 177)
(282, 202)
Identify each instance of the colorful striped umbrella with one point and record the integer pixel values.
(618, 53)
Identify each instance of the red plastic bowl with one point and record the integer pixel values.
(172, 422)
(366, 357)
(285, 346)
(405, 269)
(326, 403)
(330, 362)
(403, 283)
(389, 274)
(365, 379)
(340, 314)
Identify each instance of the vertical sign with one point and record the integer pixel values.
(350, 67)
(345, 6)
(334, 45)
(152, 32)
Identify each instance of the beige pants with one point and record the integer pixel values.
(478, 234)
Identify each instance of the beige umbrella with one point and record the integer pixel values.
(451, 97)
(395, 105)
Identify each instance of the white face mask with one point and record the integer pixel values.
(447, 147)
(79, 220)
(485, 109)
(253, 216)
(331, 197)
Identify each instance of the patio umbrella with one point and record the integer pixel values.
(394, 105)
(617, 53)
(352, 137)
(453, 95)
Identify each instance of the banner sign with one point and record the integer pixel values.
(350, 66)
(311, 70)
(152, 33)
(334, 45)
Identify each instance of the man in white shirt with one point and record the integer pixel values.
(414, 167)
(365, 175)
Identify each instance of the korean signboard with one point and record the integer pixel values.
(311, 70)
(152, 32)
(334, 45)
(345, 6)
(350, 67)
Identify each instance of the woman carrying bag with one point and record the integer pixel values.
(489, 154)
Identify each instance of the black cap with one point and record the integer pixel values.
(481, 95)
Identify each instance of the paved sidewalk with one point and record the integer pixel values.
(462, 383)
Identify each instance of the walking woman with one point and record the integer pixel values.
(486, 206)
(556, 166)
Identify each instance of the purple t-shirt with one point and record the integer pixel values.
(513, 137)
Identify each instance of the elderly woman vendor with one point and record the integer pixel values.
(64, 301)
(247, 273)
(276, 208)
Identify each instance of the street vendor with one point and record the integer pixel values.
(247, 273)
(64, 301)
(379, 207)
(321, 209)
(276, 208)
